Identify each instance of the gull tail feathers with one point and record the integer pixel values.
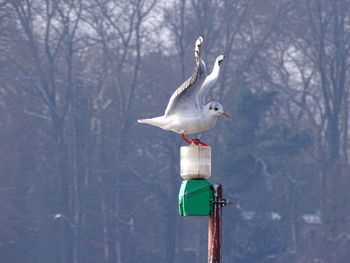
(157, 121)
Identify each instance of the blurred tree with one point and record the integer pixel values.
(77, 184)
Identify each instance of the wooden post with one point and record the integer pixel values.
(214, 226)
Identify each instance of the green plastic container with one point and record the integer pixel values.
(195, 197)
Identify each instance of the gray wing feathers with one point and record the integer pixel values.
(185, 97)
(210, 80)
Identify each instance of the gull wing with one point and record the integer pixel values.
(185, 98)
(210, 80)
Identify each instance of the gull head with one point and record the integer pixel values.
(215, 109)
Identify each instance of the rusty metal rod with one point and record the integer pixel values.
(214, 226)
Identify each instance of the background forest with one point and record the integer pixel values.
(81, 181)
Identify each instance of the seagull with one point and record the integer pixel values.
(187, 112)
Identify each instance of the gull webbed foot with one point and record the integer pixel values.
(197, 141)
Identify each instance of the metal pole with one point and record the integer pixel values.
(214, 226)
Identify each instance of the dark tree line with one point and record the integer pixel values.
(82, 182)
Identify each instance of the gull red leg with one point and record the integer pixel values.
(186, 139)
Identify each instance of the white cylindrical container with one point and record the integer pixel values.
(195, 162)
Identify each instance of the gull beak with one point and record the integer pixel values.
(224, 114)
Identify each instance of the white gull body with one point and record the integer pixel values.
(186, 112)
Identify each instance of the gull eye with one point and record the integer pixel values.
(215, 108)
(210, 108)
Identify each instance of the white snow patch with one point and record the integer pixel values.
(312, 218)
(248, 215)
(275, 216)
